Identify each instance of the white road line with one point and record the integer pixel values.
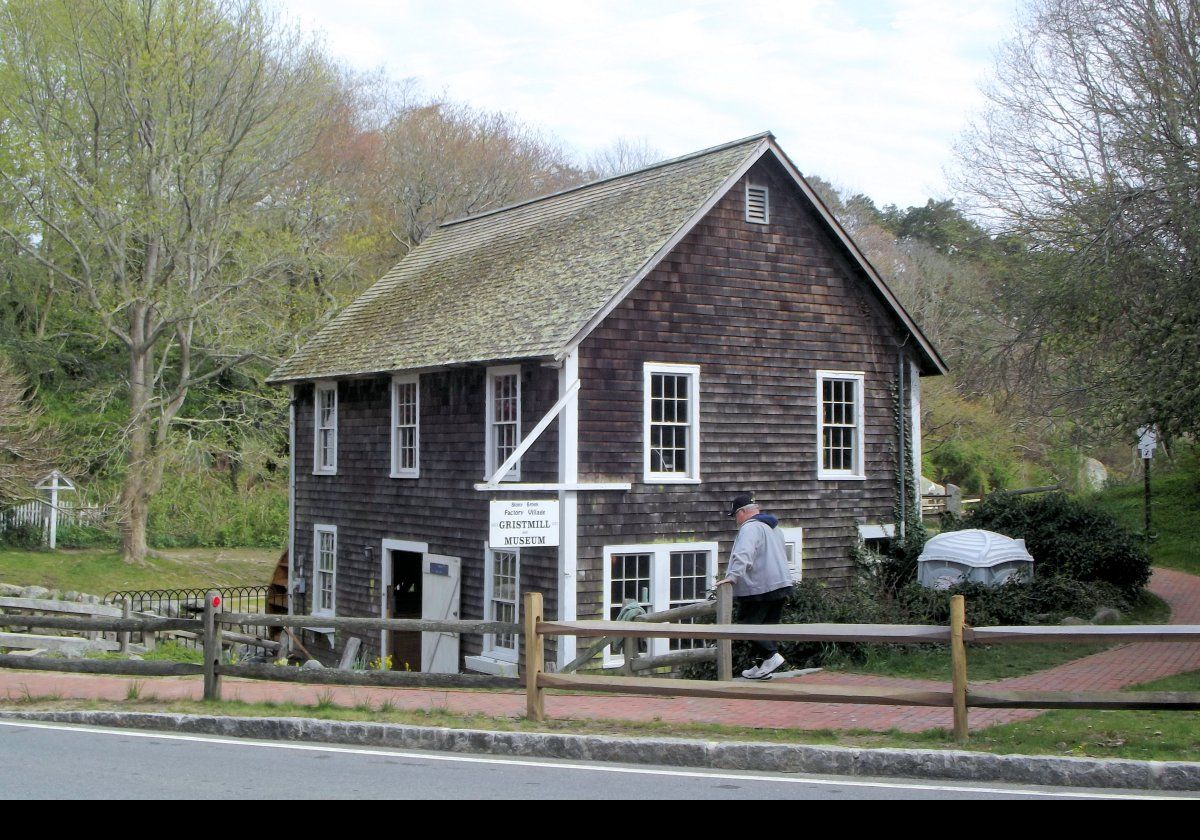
(694, 774)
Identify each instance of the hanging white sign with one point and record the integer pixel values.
(523, 524)
(1147, 441)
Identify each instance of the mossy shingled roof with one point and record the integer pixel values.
(520, 282)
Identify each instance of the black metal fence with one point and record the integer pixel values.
(189, 603)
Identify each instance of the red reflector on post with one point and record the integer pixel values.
(216, 601)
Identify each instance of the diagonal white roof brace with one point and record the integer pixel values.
(571, 394)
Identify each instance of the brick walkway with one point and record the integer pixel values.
(1109, 670)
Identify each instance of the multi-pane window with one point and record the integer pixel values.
(503, 419)
(672, 423)
(325, 570)
(658, 578)
(840, 425)
(630, 581)
(503, 588)
(406, 412)
(325, 423)
(689, 585)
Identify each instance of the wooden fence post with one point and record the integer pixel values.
(212, 646)
(126, 612)
(630, 649)
(535, 700)
(958, 659)
(724, 646)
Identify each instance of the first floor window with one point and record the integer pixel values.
(503, 584)
(406, 413)
(839, 425)
(325, 570)
(657, 578)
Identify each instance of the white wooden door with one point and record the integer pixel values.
(440, 595)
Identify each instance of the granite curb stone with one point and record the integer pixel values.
(717, 755)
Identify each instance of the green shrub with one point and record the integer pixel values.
(201, 511)
(1068, 539)
(27, 536)
(868, 601)
(173, 651)
(1041, 601)
(85, 536)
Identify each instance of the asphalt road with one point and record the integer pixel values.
(53, 761)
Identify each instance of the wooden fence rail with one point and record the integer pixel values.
(721, 608)
(960, 697)
(366, 624)
(211, 630)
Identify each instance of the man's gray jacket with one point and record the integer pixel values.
(758, 562)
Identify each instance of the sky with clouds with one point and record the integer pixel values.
(870, 94)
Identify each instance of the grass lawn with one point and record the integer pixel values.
(97, 571)
(1159, 736)
(992, 662)
(1174, 511)
(1165, 736)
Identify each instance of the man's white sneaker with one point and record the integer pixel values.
(751, 673)
(768, 667)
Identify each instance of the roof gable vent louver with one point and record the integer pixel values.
(758, 206)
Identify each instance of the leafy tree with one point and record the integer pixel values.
(24, 453)
(440, 160)
(1090, 153)
(148, 145)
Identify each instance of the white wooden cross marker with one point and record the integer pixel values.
(57, 481)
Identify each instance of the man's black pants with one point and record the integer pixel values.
(762, 609)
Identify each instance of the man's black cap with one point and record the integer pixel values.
(740, 501)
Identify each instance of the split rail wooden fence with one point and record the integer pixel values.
(960, 697)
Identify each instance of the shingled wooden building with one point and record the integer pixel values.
(638, 349)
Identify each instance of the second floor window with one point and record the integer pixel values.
(839, 425)
(672, 423)
(406, 427)
(503, 419)
(325, 450)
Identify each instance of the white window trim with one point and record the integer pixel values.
(415, 471)
(316, 558)
(795, 536)
(859, 471)
(318, 389)
(489, 639)
(660, 584)
(489, 465)
(693, 374)
(766, 220)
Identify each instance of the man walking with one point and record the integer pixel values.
(758, 572)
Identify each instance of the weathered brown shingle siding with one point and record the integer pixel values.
(441, 508)
(760, 309)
